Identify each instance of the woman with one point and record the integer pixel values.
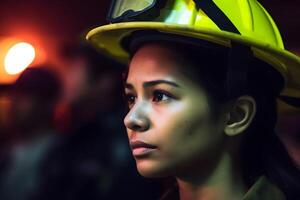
(202, 85)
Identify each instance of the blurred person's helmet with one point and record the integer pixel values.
(40, 82)
(244, 22)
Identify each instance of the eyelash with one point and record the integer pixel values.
(157, 96)
(163, 93)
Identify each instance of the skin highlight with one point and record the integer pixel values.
(171, 112)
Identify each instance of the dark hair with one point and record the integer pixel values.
(261, 151)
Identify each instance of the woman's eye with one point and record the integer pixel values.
(160, 96)
(130, 100)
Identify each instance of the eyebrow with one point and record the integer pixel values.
(153, 83)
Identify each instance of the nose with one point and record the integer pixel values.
(137, 119)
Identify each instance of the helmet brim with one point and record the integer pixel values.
(109, 39)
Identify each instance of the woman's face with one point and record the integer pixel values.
(169, 124)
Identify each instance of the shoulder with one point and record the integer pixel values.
(263, 189)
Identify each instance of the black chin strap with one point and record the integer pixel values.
(293, 101)
(216, 15)
(239, 59)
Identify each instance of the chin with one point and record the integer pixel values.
(151, 169)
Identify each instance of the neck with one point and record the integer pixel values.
(224, 182)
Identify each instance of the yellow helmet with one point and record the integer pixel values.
(217, 21)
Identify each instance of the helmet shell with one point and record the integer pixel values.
(182, 17)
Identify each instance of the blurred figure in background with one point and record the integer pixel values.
(92, 87)
(93, 161)
(4, 135)
(33, 98)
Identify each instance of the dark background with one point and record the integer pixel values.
(50, 24)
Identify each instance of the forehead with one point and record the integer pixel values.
(154, 61)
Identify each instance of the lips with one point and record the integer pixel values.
(140, 148)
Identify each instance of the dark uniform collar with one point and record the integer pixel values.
(262, 189)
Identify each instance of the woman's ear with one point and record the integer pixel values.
(240, 115)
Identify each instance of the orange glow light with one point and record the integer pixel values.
(19, 57)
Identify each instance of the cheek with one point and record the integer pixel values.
(188, 136)
(181, 122)
(184, 132)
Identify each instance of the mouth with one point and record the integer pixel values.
(140, 148)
